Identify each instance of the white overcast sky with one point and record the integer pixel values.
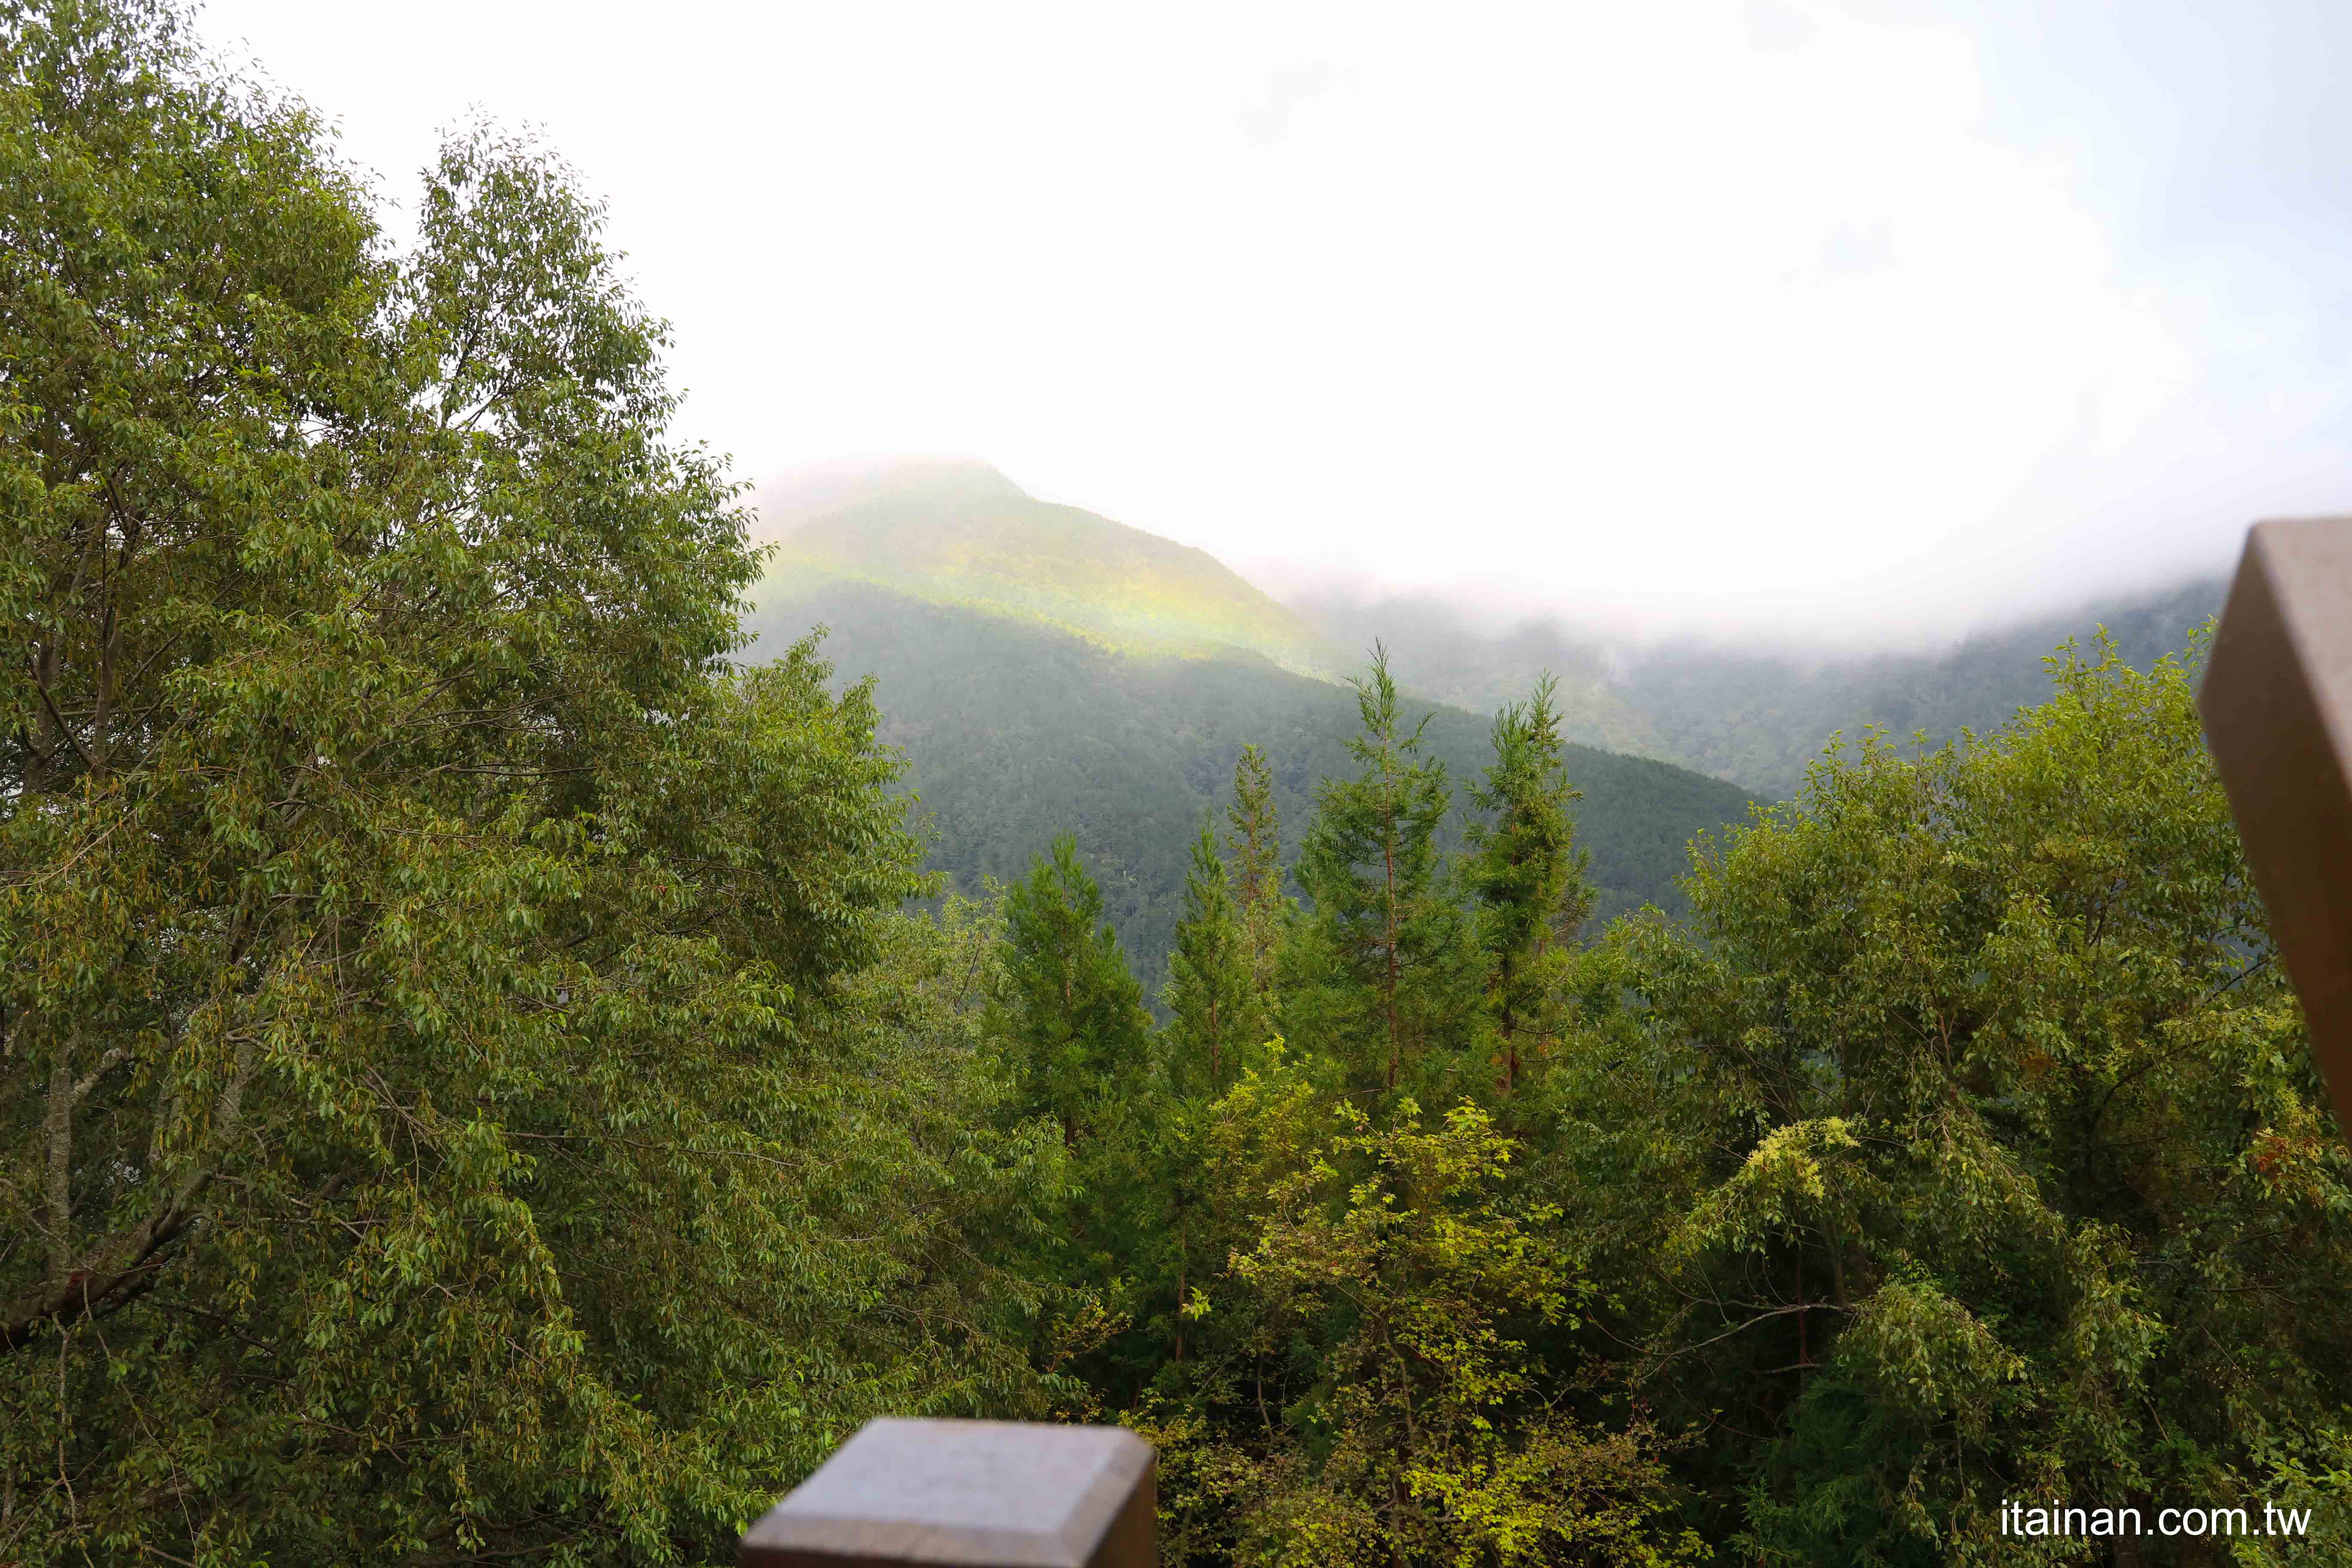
(1797, 317)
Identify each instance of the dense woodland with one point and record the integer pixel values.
(1015, 734)
(485, 1075)
(1755, 715)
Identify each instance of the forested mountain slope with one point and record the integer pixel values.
(1760, 720)
(961, 533)
(1453, 654)
(1015, 732)
(1752, 715)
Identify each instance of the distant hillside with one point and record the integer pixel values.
(1760, 719)
(1756, 716)
(1047, 670)
(1014, 731)
(962, 534)
(1441, 651)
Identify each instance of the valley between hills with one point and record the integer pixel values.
(1045, 670)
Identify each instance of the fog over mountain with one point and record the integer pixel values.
(1766, 315)
(1752, 708)
(1044, 669)
(1756, 709)
(958, 533)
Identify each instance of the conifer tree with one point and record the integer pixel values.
(1071, 1016)
(1071, 1031)
(1211, 995)
(1216, 1013)
(1382, 970)
(1255, 845)
(1526, 877)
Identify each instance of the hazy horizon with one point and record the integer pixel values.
(1617, 630)
(1614, 630)
(1858, 321)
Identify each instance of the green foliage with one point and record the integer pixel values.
(1071, 1023)
(1255, 844)
(437, 1099)
(1067, 1031)
(1365, 1393)
(1214, 1007)
(1983, 1153)
(1378, 974)
(1013, 735)
(1217, 1024)
(1361, 1381)
(1525, 881)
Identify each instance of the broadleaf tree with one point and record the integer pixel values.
(1975, 1151)
(426, 964)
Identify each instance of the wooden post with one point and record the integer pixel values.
(2277, 705)
(979, 1494)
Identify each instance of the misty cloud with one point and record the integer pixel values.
(1769, 316)
(1266, 119)
(1857, 250)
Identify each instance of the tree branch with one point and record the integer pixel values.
(83, 1292)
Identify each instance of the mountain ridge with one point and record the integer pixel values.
(959, 534)
(962, 534)
(1758, 716)
(1013, 732)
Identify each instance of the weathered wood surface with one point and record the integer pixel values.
(2277, 705)
(981, 1494)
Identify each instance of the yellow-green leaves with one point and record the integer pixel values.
(1369, 1346)
(1980, 1149)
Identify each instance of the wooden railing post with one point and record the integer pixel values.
(2277, 706)
(979, 1494)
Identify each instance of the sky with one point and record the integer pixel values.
(1869, 322)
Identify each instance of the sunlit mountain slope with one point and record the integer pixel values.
(962, 534)
(1047, 671)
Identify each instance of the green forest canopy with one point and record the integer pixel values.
(472, 1092)
(1015, 733)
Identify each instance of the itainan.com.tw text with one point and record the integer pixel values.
(2056, 1520)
